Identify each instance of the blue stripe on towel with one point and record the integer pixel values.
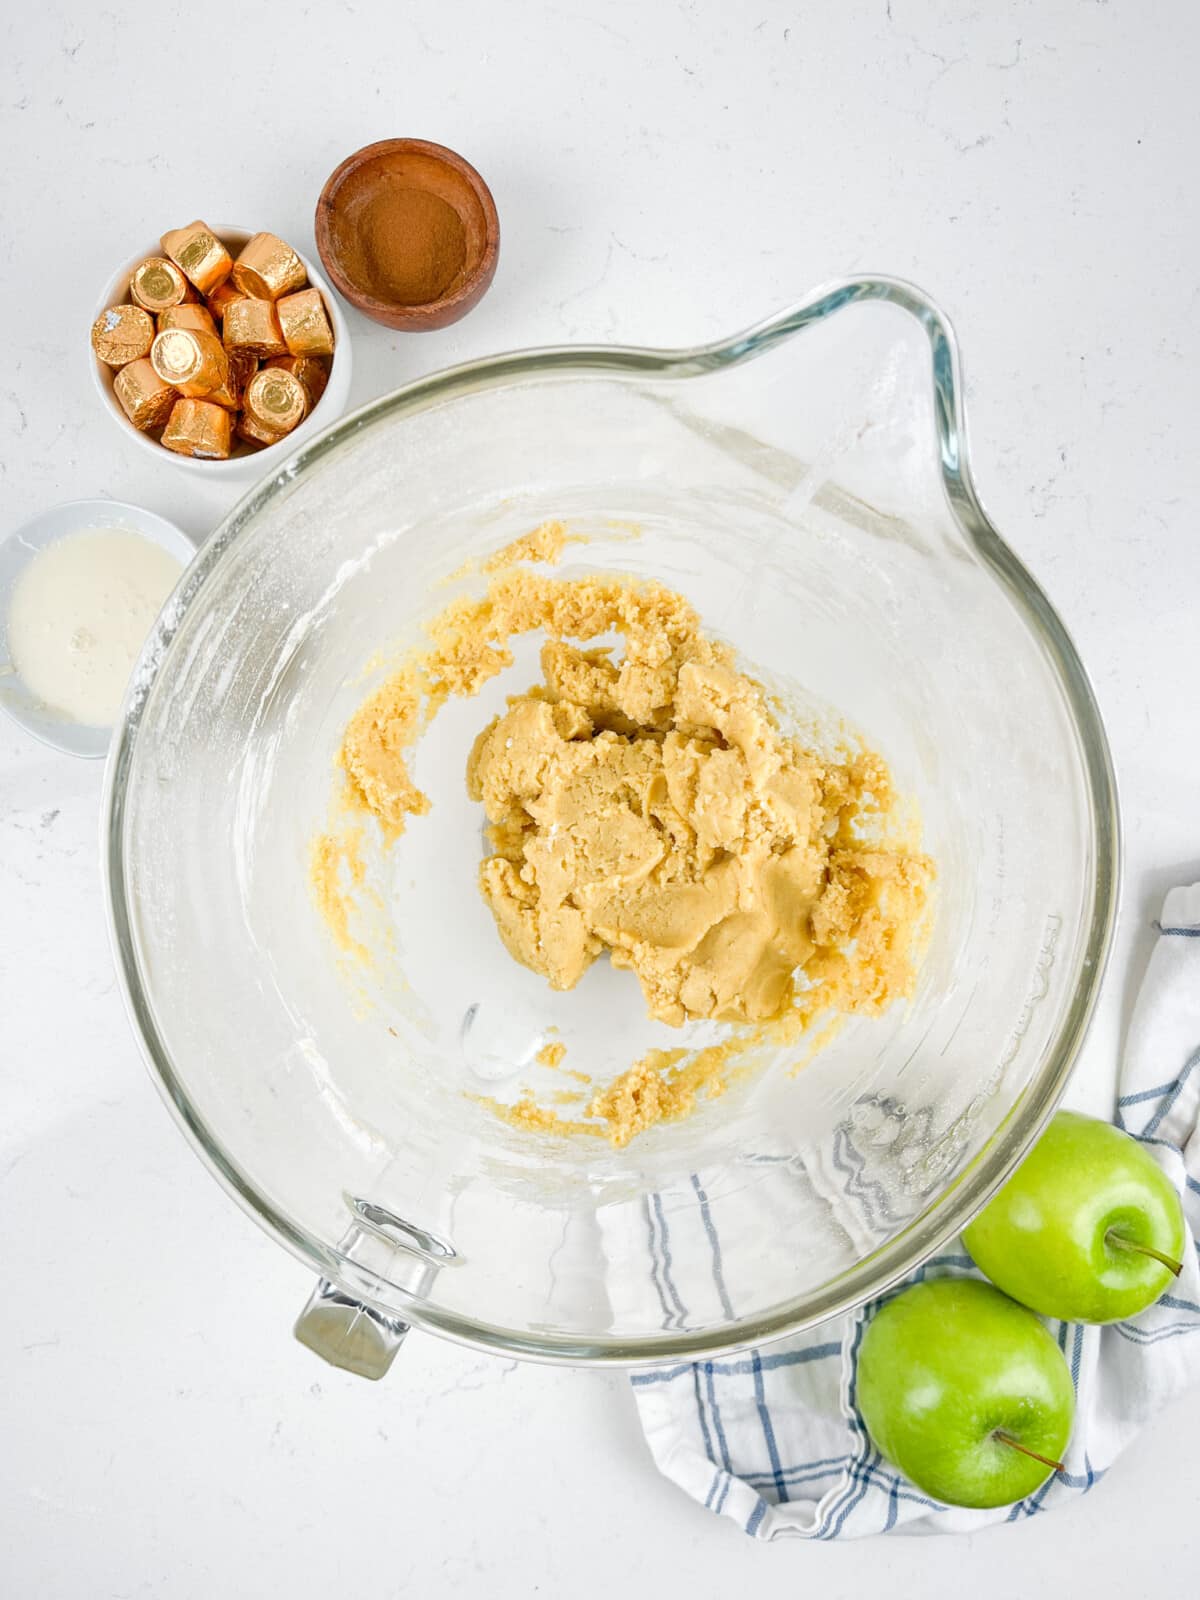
(704, 1428)
(665, 1246)
(742, 1366)
(893, 1508)
(715, 1409)
(1148, 1094)
(1173, 1330)
(764, 1416)
(1174, 1303)
(859, 1470)
(1164, 1110)
(794, 1476)
(655, 1276)
(715, 1245)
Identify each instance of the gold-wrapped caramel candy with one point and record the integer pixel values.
(312, 371)
(222, 296)
(305, 323)
(243, 364)
(199, 255)
(252, 326)
(192, 362)
(276, 399)
(240, 368)
(254, 433)
(157, 284)
(188, 315)
(199, 428)
(122, 334)
(225, 396)
(266, 268)
(143, 396)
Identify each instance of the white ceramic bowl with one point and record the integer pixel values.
(16, 552)
(247, 464)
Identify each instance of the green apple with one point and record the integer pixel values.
(966, 1392)
(1088, 1228)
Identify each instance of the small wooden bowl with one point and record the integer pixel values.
(400, 183)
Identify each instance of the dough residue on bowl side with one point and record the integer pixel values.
(647, 804)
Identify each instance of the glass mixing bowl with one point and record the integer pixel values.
(805, 484)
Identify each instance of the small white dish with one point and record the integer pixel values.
(250, 464)
(16, 552)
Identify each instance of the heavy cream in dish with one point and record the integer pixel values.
(79, 615)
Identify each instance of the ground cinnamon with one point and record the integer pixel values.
(406, 245)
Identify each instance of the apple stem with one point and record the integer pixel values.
(1114, 1238)
(1007, 1438)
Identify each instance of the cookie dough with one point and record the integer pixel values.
(651, 808)
(642, 800)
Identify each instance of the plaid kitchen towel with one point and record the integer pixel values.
(773, 1439)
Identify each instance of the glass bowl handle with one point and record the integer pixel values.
(349, 1332)
(341, 1330)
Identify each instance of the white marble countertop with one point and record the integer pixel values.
(663, 173)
